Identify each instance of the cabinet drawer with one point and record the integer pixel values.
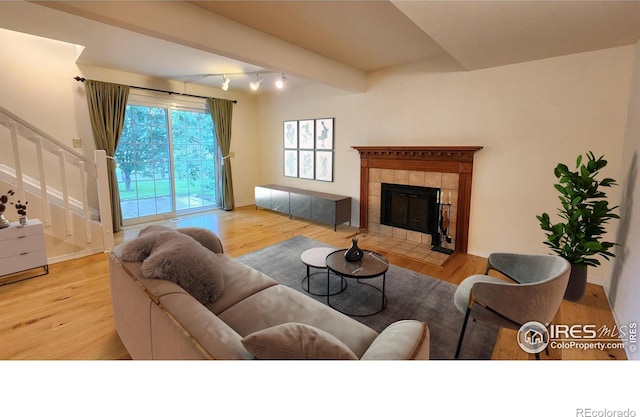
(23, 244)
(301, 206)
(323, 211)
(34, 227)
(19, 263)
(280, 201)
(263, 197)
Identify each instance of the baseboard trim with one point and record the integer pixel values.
(75, 255)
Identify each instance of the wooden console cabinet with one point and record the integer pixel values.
(21, 249)
(320, 207)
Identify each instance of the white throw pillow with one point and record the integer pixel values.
(296, 341)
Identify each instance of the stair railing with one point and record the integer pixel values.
(68, 160)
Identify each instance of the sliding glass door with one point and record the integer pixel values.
(194, 153)
(166, 162)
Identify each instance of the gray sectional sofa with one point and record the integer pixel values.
(254, 317)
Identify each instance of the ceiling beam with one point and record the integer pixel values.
(186, 24)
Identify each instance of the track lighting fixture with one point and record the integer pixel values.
(281, 82)
(255, 84)
(225, 83)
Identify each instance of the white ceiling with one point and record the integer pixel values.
(482, 34)
(332, 42)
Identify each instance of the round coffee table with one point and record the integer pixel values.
(315, 258)
(371, 265)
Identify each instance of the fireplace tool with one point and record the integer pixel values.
(443, 225)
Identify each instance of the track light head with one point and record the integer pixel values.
(225, 83)
(255, 84)
(280, 83)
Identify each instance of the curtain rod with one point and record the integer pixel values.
(82, 79)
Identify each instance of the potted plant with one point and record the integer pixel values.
(21, 209)
(577, 237)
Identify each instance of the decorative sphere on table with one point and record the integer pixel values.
(354, 253)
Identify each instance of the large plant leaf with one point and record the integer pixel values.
(592, 245)
(562, 190)
(561, 170)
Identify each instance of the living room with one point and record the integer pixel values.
(528, 116)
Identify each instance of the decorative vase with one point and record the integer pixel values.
(4, 223)
(354, 253)
(23, 220)
(577, 284)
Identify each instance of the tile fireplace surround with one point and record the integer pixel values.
(449, 168)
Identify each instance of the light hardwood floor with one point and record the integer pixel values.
(67, 314)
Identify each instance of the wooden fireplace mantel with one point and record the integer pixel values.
(452, 159)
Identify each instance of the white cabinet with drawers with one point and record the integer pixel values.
(22, 248)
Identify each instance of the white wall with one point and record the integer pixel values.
(528, 117)
(37, 85)
(623, 285)
(315, 102)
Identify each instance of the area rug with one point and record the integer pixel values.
(410, 295)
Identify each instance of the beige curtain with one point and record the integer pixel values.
(107, 105)
(221, 113)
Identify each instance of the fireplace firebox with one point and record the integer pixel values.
(409, 207)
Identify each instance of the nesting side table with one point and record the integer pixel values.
(371, 265)
(316, 258)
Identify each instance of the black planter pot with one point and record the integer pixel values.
(577, 284)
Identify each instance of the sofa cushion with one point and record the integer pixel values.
(213, 335)
(279, 304)
(404, 339)
(240, 281)
(205, 237)
(173, 256)
(295, 341)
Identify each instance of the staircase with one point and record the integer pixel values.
(67, 191)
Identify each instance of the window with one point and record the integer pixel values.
(166, 160)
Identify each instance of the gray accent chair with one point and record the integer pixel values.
(533, 291)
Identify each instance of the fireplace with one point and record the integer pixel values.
(410, 207)
(448, 168)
